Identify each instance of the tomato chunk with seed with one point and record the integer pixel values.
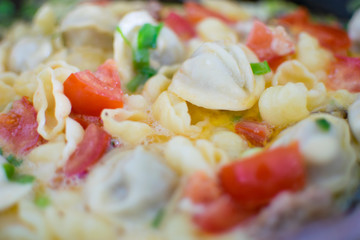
(255, 132)
(89, 93)
(18, 128)
(254, 181)
(89, 151)
(344, 74)
(269, 44)
(196, 13)
(180, 26)
(86, 120)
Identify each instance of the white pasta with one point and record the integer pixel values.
(332, 168)
(283, 105)
(51, 104)
(219, 77)
(8, 93)
(229, 142)
(130, 186)
(212, 29)
(74, 133)
(172, 113)
(45, 20)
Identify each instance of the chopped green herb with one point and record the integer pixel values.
(9, 170)
(236, 118)
(323, 124)
(148, 35)
(260, 68)
(123, 36)
(158, 218)
(141, 58)
(22, 178)
(13, 160)
(42, 201)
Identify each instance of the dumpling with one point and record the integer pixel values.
(324, 141)
(130, 186)
(219, 76)
(29, 52)
(95, 28)
(168, 52)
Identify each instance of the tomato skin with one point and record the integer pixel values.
(255, 132)
(344, 74)
(89, 93)
(330, 36)
(254, 181)
(180, 26)
(269, 45)
(196, 13)
(86, 120)
(18, 128)
(88, 152)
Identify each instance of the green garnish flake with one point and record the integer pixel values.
(9, 170)
(22, 178)
(323, 124)
(13, 160)
(236, 118)
(146, 40)
(260, 68)
(42, 201)
(148, 35)
(158, 218)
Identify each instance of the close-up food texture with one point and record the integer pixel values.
(157, 120)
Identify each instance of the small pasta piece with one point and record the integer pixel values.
(228, 8)
(45, 20)
(51, 104)
(74, 133)
(185, 158)
(123, 190)
(172, 113)
(8, 93)
(10, 192)
(283, 105)
(219, 77)
(230, 142)
(212, 29)
(313, 56)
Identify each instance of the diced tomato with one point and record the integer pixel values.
(254, 181)
(344, 74)
(86, 120)
(89, 93)
(201, 188)
(330, 36)
(255, 132)
(88, 152)
(196, 13)
(18, 128)
(180, 26)
(269, 44)
(220, 215)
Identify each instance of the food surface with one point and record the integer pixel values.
(148, 121)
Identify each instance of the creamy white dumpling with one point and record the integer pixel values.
(29, 52)
(169, 48)
(324, 142)
(94, 28)
(10, 192)
(130, 186)
(354, 119)
(219, 76)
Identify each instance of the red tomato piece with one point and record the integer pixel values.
(18, 128)
(221, 215)
(88, 152)
(254, 181)
(344, 74)
(89, 93)
(86, 120)
(330, 36)
(256, 133)
(196, 13)
(201, 188)
(180, 26)
(269, 44)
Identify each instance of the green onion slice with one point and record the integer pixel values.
(13, 160)
(158, 219)
(123, 36)
(323, 124)
(9, 170)
(22, 178)
(148, 35)
(260, 68)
